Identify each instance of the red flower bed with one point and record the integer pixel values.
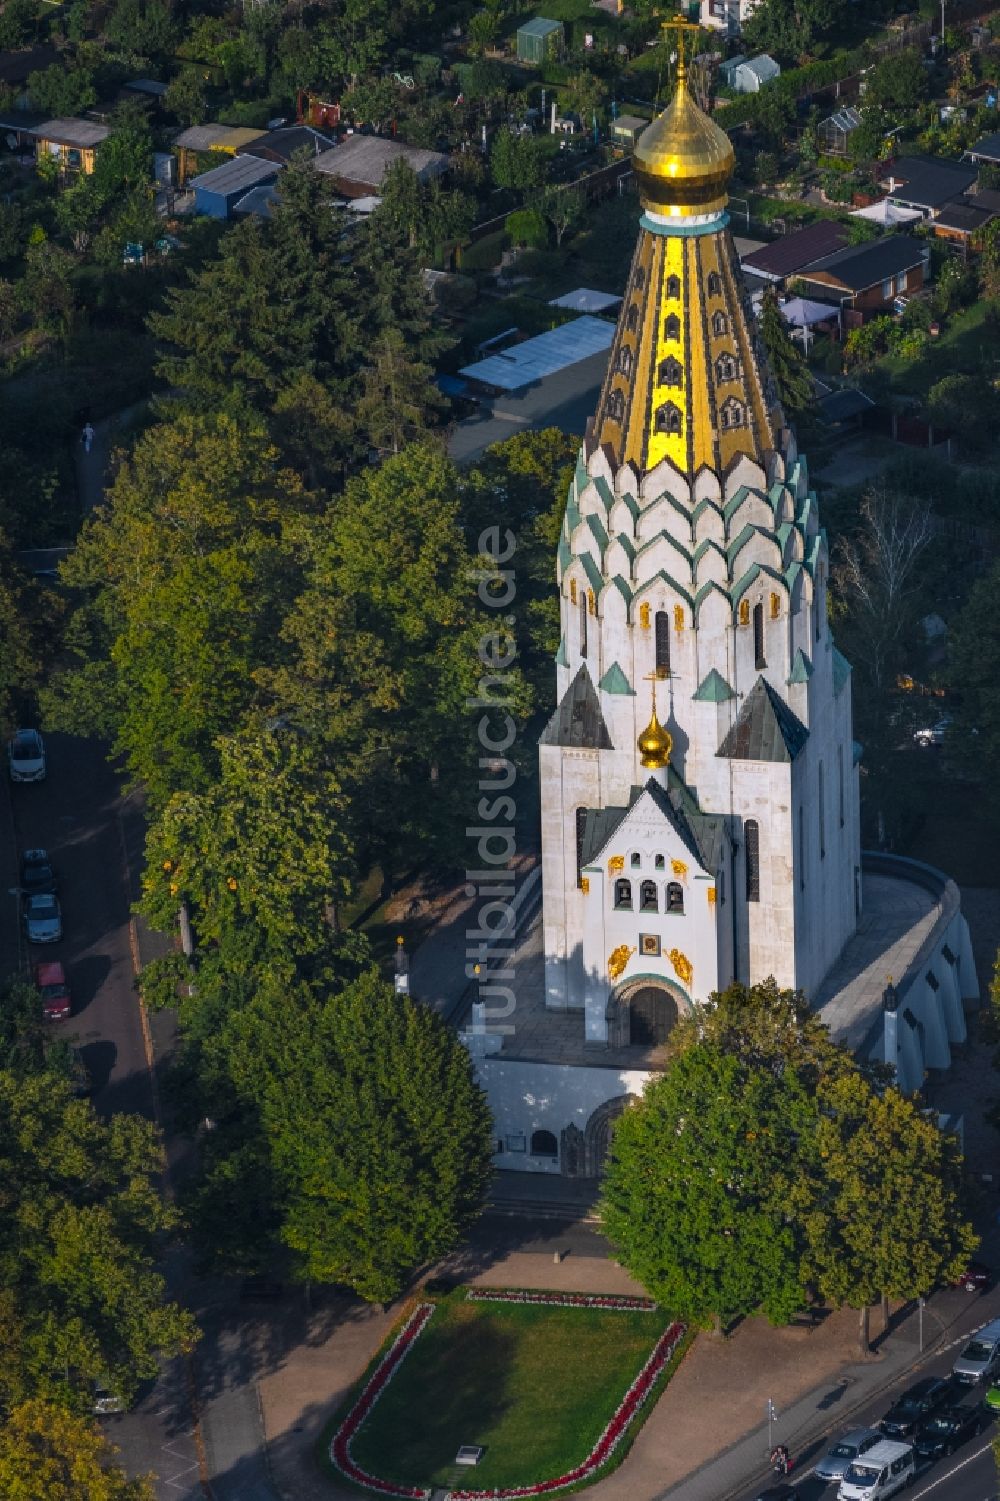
(561, 1300)
(340, 1448)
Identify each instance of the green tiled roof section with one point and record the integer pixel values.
(704, 505)
(812, 556)
(604, 491)
(615, 681)
(841, 670)
(632, 503)
(806, 509)
(777, 494)
(713, 690)
(705, 591)
(593, 573)
(580, 477)
(708, 545)
(627, 545)
(743, 584)
(802, 669)
(732, 506)
(739, 542)
(791, 574)
(601, 536)
(685, 554)
(564, 554)
(783, 533)
(623, 589)
(667, 579)
(673, 502)
(561, 659)
(572, 516)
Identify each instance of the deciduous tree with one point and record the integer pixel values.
(48, 1454)
(790, 371)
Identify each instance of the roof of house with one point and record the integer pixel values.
(987, 147)
(839, 406)
(732, 62)
(859, 267)
(964, 216)
(702, 834)
(578, 722)
(539, 26)
(72, 132)
(765, 728)
(281, 145)
(151, 86)
(762, 66)
(928, 181)
(983, 198)
(628, 122)
(845, 119)
(532, 360)
(259, 201)
(366, 159)
(803, 247)
(237, 176)
(216, 137)
(586, 300)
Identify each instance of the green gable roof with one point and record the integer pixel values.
(615, 681)
(841, 670)
(802, 669)
(561, 659)
(713, 689)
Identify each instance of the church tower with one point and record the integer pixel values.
(698, 779)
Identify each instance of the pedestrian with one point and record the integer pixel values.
(780, 1461)
(87, 436)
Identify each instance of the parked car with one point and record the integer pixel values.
(942, 1434)
(932, 736)
(43, 918)
(848, 1447)
(919, 1402)
(57, 1003)
(26, 756)
(980, 1360)
(976, 1278)
(37, 874)
(106, 1402)
(888, 1467)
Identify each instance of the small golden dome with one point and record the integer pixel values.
(655, 744)
(683, 160)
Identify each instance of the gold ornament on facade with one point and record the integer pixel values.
(585, 885)
(618, 959)
(775, 606)
(713, 896)
(678, 867)
(644, 616)
(572, 591)
(678, 618)
(616, 864)
(590, 602)
(744, 612)
(683, 968)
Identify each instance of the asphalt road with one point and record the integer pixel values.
(74, 814)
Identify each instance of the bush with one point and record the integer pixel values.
(484, 254)
(528, 227)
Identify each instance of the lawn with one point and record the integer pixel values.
(535, 1386)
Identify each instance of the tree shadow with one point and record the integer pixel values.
(86, 976)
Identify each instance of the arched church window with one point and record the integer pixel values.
(714, 284)
(662, 644)
(648, 900)
(668, 418)
(671, 326)
(640, 278)
(725, 368)
(625, 360)
(616, 406)
(720, 324)
(583, 622)
(675, 896)
(759, 657)
(660, 862)
(673, 286)
(670, 371)
(733, 413)
(544, 1144)
(581, 828)
(635, 861)
(623, 895)
(751, 852)
(632, 318)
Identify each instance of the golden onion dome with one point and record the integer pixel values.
(655, 744)
(683, 160)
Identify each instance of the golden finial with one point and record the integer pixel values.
(683, 160)
(655, 743)
(683, 29)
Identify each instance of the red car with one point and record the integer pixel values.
(51, 981)
(976, 1278)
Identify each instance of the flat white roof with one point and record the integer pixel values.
(584, 300)
(523, 364)
(885, 212)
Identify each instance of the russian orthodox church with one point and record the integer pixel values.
(699, 785)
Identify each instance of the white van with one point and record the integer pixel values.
(980, 1359)
(881, 1472)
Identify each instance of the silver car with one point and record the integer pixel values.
(26, 756)
(845, 1451)
(43, 918)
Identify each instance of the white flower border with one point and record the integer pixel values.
(633, 1400)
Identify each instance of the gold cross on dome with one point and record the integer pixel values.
(650, 677)
(683, 28)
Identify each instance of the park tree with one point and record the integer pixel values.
(18, 24)
(891, 1221)
(399, 399)
(898, 83)
(185, 97)
(793, 28)
(82, 1222)
(517, 161)
(788, 366)
(564, 208)
(63, 89)
(374, 1138)
(989, 260)
(49, 1454)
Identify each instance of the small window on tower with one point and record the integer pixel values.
(714, 284)
(751, 849)
(583, 622)
(672, 327)
(668, 418)
(632, 318)
(733, 413)
(635, 861)
(660, 862)
(581, 828)
(625, 360)
(640, 278)
(720, 324)
(759, 658)
(670, 372)
(648, 901)
(675, 897)
(673, 286)
(616, 406)
(623, 895)
(662, 634)
(725, 368)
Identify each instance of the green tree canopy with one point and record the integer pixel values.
(49, 1454)
(788, 366)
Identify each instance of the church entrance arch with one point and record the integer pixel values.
(644, 1012)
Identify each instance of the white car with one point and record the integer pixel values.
(933, 735)
(26, 756)
(42, 918)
